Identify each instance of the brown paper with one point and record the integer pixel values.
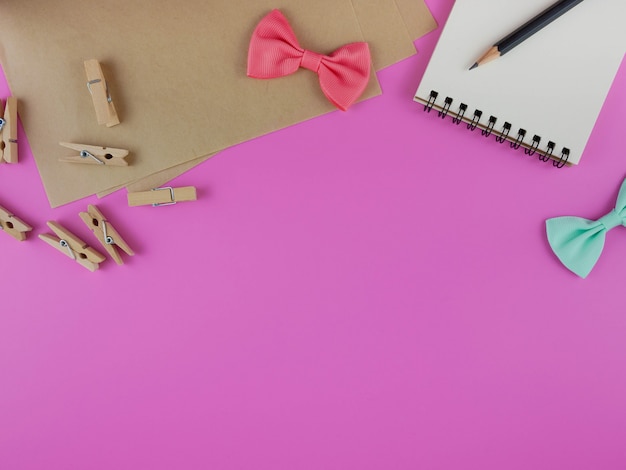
(417, 17)
(384, 29)
(176, 73)
(388, 42)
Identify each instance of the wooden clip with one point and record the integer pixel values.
(13, 226)
(105, 233)
(97, 85)
(162, 196)
(8, 132)
(94, 155)
(72, 246)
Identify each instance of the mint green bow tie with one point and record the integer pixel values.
(578, 242)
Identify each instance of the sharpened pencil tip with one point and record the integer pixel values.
(474, 66)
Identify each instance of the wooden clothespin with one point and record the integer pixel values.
(72, 246)
(8, 132)
(97, 85)
(15, 227)
(94, 155)
(162, 196)
(105, 233)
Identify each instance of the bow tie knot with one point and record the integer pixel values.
(311, 61)
(612, 219)
(275, 52)
(578, 242)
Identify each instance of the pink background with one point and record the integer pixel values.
(366, 290)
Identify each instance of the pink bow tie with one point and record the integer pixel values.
(275, 52)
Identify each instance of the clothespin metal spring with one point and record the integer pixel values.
(97, 80)
(85, 154)
(172, 197)
(66, 245)
(108, 239)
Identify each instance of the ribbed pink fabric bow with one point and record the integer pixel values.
(275, 52)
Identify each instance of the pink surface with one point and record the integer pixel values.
(367, 290)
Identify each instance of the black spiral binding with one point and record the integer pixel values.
(530, 148)
(489, 129)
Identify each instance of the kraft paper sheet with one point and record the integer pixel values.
(387, 40)
(388, 43)
(177, 75)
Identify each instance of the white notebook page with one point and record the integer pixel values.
(552, 85)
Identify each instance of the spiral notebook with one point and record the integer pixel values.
(545, 95)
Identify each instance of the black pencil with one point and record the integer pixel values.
(526, 30)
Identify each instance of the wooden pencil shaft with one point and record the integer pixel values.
(535, 24)
(488, 56)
